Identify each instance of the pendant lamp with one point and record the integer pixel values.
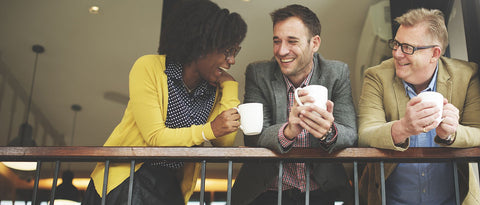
(67, 193)
(24, 138)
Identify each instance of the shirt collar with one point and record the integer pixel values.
(174, 70)
(305, 82)
(432, 86)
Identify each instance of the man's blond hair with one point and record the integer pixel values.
(432, 18)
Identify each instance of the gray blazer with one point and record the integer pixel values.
(264, 83)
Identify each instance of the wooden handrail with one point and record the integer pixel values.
(234, 154)
(240, 154)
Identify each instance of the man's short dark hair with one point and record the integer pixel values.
(195, 28)
(308, 17)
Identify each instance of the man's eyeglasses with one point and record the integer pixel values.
(406, 48)
(232, 52)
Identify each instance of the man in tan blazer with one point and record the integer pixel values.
(392, 116)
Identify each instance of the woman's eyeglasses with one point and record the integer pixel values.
(232, 52)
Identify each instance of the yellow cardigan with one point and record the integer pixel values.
(143, 123)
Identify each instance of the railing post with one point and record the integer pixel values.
(307, 177)
(478, 171)
(54, 183)
(105, 181)
(280, 182)
(382, 180)
(229, 188)
(35, 184)
(202, 183)
(355, 182)
(130, 183)
(455, 179)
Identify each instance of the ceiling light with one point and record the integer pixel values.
(65, 202)
(23, 166)
(24, 138)
(94, 10)
(67, 193)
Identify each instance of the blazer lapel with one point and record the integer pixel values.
(400, 95)
(279, 96)
(316, 70)
(444, 84)
(317, 79)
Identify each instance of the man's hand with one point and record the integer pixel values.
(293, 129)
(449, 124)
(317, 121)
(419, 117)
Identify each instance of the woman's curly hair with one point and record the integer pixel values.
(196, 28)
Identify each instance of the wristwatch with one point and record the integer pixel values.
(448, 141)
(325, 136)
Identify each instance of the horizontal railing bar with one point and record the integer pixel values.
(430, 154)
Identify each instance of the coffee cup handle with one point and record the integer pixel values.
(299, 102)
(238, 110)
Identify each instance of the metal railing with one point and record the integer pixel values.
(234, 154)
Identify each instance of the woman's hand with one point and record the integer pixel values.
(227, 122)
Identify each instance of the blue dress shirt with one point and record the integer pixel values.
(421, 183)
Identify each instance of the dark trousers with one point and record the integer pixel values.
(151, 186)
(295, 197)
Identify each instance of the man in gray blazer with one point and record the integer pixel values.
(296, 39)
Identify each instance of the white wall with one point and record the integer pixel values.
(456, 33)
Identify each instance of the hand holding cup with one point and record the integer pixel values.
(317, 92)
(436, 98)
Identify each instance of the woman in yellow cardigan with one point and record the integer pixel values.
(182, 97)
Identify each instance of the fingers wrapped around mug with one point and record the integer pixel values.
(226, 122)
(450, 121)
(317, 95)
(317, 121)
(423, 113)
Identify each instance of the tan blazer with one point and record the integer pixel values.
(383, 101)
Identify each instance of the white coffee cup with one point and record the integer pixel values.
(251, 118)
(318, 92)
(437, 98)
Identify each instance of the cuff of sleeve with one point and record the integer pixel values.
(285, 142)
(207, 132)
(403, 145)
(449, 141)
